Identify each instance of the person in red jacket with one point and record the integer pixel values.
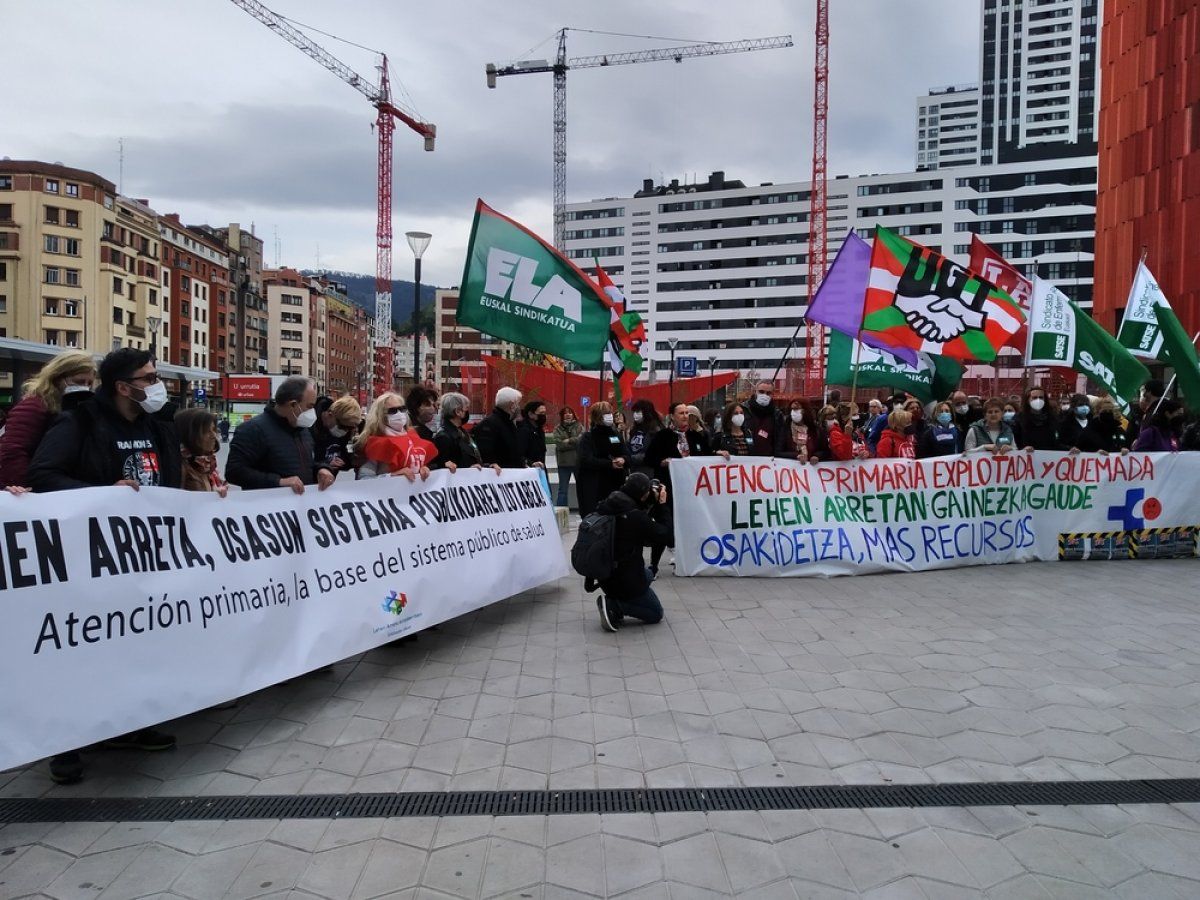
(62, 381)
(837, 443)
(896, 442)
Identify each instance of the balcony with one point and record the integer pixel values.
(136, 331)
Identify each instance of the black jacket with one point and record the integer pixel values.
(636, 528)
(769, 426)
(665, 445)
(1100, 435)
(1069, 431)
(498, 441)
(595, 477)
(95, 445)
(327, 447)
(533, 442)
(1036, 430)
(267, 449)
(454, 445)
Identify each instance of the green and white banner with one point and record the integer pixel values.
(932, 378)
(517, 287)
(1062, 334)
(1139, 332)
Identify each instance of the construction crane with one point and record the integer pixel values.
(818, 250)
(380, 96)
(559, 69)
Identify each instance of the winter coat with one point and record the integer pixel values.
(498, 441)
(1156, 440)
(977, 436)
(665, 445)
(27, 424)
(455, 445)
(725, 441)
(533, 442)
(566, 447)
(803, 448)
(939, 440)
(769, 425)
(268, 449)
(640, 436)
(636, 528)
(596, 478)
(1099, 435)
(327, 447)
(94, 445)
(1069, 431)
(893, 445)
(1036, 430)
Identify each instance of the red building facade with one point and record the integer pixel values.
(1149, 178)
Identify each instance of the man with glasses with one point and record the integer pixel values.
(766, 422)
(113, 438)
(275, 448)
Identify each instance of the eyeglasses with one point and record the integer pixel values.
(392, 410)
(152, 378)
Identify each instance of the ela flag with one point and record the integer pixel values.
(1004, 275)
(1179, 353)
(920, 300)
(838, 304)
(1062, 334)
(625, 336)
(1139, 332)
(932, 378)
(517, 287)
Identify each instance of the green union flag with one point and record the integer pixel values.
(1179, 353)
(517, 287)
(1062, 334)
(932, 378)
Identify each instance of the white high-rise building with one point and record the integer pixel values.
(948, 127)
(1038, 79)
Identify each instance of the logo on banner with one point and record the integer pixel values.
(394, 603)
(1126, 514)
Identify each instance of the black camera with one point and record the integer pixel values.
(655, 485)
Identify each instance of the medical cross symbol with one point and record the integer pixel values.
(1151, 509)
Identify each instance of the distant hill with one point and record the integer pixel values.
(361, 289)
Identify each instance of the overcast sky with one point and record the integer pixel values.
(224, 121)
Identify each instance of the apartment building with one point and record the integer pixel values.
(196, 282)
(948, 127)
(458, 352)
(288, 321)
(347, 344)
(246, 313)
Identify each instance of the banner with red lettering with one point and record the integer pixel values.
(772, 517)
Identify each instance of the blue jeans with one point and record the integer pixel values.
(647, 607)
(564, 481)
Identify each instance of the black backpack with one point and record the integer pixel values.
(593, 555)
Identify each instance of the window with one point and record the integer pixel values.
(72, 190)
(6, 212)
(52, 275)
(118, 286)
(51, 338)
(51, 186)
(52, 215)
(5, 182)
(70, 246)
(72, 277)
(118, 316)
(72, 218)
(51, 306)
(51, 243)
(71, 308)
(3, 271)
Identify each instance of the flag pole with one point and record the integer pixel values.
(854, 367)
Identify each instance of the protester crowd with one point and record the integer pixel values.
(81, 425)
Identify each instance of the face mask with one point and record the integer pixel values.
(608, 419)
(1009, 415)
(962, 409)
(155, 399)
(798, 416)
(337, 431)
(398, 421)
(307, 419)
(944, 418)
(737, 420)
(762, 399)
(896, 407)
(637, 417)
(1065, 407)
(76, 389)
(829, 423)
(1082, 411)
(1037, 404)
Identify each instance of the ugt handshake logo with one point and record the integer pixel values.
(930, 294)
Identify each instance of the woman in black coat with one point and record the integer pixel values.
(601, 466)
(1036, 427)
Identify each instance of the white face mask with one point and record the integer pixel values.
(306, 419)
(608, 419)
(762, 399)
(337, 431)
(798, 416)
(76, 389)
(829, 423)
(962, 409)
(737, 419)
(155, 399)
(1037, 404)
(398, 421)
(637, 417)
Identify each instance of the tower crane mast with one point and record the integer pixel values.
(380, 96)
(818, 249)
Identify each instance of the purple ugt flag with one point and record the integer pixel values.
(841, 296)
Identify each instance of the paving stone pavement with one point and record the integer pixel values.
(1017, 673)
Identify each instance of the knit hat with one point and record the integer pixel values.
(636, 486)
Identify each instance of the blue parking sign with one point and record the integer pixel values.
(686, 367)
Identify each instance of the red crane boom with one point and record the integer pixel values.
(818, 251)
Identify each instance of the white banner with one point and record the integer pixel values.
(772, 517)
(122, 610)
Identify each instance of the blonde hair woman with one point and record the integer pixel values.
(69, 375)
(387, 417)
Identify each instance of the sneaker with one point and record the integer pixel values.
(606, 620)
(66, 768)
(146, 739)
(653, 573)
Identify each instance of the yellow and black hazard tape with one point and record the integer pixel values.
(1146, 543)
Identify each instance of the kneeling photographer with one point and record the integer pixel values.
(641, 518)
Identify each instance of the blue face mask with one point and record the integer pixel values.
(1082, 411)
(944, 418)
(1009, 416)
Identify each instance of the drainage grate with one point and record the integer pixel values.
(629, 800)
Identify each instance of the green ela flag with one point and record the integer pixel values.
(933, 377)
(1179, 353)
(1062, 334)
(517, 287)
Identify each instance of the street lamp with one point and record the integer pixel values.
(712, 380)
(672, 342)
(154, 323)
(418, 240)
